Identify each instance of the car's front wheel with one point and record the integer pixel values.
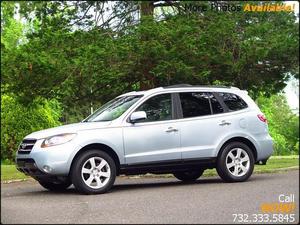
(235, 163)
(55, 186)
(93, 172)
(188, 176)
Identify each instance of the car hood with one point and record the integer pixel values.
(70, 128)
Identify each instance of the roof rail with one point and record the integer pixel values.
(204, 86)
(178, 86)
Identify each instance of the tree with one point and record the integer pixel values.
(18, 120)
(11, 29)
(80, 59)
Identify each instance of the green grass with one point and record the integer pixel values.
(274, 164)
(9, 172)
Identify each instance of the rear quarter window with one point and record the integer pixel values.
(233, 101)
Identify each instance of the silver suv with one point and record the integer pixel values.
(179, 129)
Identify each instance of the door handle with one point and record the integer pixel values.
(171, 129)
(224, 122)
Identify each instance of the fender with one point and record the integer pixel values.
(91, 137)
(235, 135)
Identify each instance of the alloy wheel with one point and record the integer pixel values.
(95, 172)
(237, 162)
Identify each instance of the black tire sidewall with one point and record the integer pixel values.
(76, 172)
(221, 163)
(52, 186)
(188, 176)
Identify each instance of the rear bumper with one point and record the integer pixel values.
(265, 148)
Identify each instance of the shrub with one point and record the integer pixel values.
(18, 120)
(283, 124)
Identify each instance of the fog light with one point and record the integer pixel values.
(262, 162)
(47, 169)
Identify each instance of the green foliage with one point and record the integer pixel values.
(283, 124)
(7, 162)
(11, 36)
(253, 51)
(10, 28)
(18, 120)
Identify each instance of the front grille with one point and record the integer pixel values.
(26, 146)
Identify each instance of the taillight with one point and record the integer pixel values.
(262, 118)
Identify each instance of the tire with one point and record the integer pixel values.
(55, 186)
(188, 176)
(235, 163)
(93, 172)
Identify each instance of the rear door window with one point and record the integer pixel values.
(215, 104)
(194, 104)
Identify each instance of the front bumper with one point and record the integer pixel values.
(29, 167)
(51, 161)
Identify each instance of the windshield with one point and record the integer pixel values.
(113, 109)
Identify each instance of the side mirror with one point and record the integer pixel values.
(137, 116)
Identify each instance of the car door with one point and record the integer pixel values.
(155, 139)
(202, 124)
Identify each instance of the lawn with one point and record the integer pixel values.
(275, 164)
(9, 172)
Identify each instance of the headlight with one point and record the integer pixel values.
(57, 140)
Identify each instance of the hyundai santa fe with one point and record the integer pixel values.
(179, 129)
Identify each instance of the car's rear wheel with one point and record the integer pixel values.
(93, 172)
(236, 162)
(188, 176)
(55, 186)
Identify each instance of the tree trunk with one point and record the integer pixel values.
(147, 80)
(147, 9)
